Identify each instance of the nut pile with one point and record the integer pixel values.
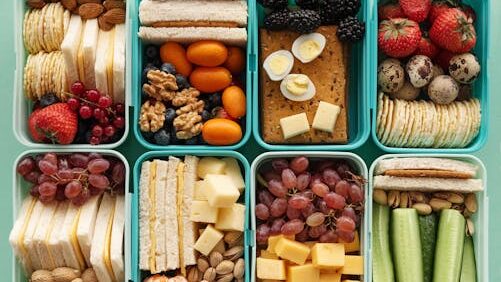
(65, 274)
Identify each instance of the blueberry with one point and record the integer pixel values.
(48, 99)
(162, 137)
(206, 115)
(192, 141)
(168, 68)
(215, 100)
(182, 82)
(146, 69)
(151, 52)
(170, 115)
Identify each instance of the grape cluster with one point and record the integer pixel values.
(321, 201)
(76, 176)
(101, 120)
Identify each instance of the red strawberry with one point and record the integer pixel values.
(398, 37)
(443, 58)
(56, 123)
(416, 10)
(469, 12)
(390, 11)
(438, 7)
(452, 30)
(427, 48)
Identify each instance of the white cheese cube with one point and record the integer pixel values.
(326, 116)
(210, 165)
(201, 211)
(294, 125)
(220, 190)
(231, 218)
(233, 171)
(208, 240)
(199, 194)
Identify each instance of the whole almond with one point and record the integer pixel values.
(202, 264)
(456, 198)
(115, 16)
(225, 278)
(422, 209)
(90, 10)
(404, 200)
(210, 274)
(225, 267)
(471, 203)
(215, 258)
(81, 2)
(111, 4)
(232, 237)
(439, 204)
(35, 4)
(394, 199)
(380, 197)
(42, 276)
(239, 269)
(194, 275)
(103, 24)
(65, 274)
(69, 4)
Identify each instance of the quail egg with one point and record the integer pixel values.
(407, 92)
(390, 75)
(278, 64)
(308, 47)
(419, 69)
(464, 68)
(443, 89)
(297, 87)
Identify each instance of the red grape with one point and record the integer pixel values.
(99, 181)
(277, 188)
(262, 212)
(343, 170)
(315, 178)
(46, 199)
(303, 180)
(25, 166)
(47, 189)
(119, 122)
(105, 101)
(279, 164)
(44, 178)
(289, 178)
(303, 235)
(32, 177)
(276, 226)
(99, 113)
(349, 212)
(293, 213)
(299, 164)
(47, 167)
(262, 233)
(120, 108)
(330, 177)
(292, 227)
(342, 188)
(34, 191)
(356, 193)
(77, 88)
(335, 201)
(109, 131)
(94, 140)
(73, 189)
(307, 194)
(93, 95)
(51, 158)
(60, 193)
(345, 223)
(65, 175)
(298, 201)
(329, 237)
(97, 166)
(85, 112)
(118, 173)
(97, 130)
(315, 219)
(278, 207)
(308, 210)
(317, 231)
(78, 160)
(345, 236)
(320, 189)
(81, 198)
(93, 155)
(271, 175)
(73, 103)
(322, 206)
(266, 198)
(322, 165)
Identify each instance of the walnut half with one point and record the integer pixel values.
(161, 86)
(152, 116)
(188, 125)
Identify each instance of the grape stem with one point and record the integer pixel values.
(109, 110)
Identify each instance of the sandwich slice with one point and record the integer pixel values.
(117, 238)
(190, 228)
(69, 241)
(159, 225)
(16, 236)
(104, 58)
(53, 239)
(148, 171)
(70, 48)
(87, 53)
(186, 35)
(171, 215)
(429, 184)
(28, 239)
(40, 235)
(118, 73)
(86, 225)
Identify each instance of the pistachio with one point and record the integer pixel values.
(225, 267)
(471, 203)
(394, 199)
(234, 253)
(215, 258)
(456, 198)
(202, 264)
(89, 275)
(441, 195)
(210, 274)
(380, 197)
(233, 238)
(42, 276)
(239, 268)
(422, 209)
(65, 274)
(470, 227)
(404, 200)
(225, 278)
(439, 204)
(194, 275)
(417, 197)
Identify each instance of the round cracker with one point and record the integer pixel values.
(461, 125)
(26, 40)
(469, 121)
(41, 28)
(50, 27)
(405, 125)
(379, 112)
(453, 126)
(26, 78)
(384, 116)
(394, 122)
(410, 124)
(59, 23)
(389, 121)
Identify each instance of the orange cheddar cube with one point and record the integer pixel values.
(270, 269)
(330, 277)
(291, 250)
(353, 265)
(328, 255)
(353, 246)
(273, 240)
(268, 254)
(303, 273)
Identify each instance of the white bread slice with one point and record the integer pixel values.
(144, 215)
(87, 53)
(70, 47)
(40, 235)
(16, 236)
(118, 78)
(68, 239)
(190, 227)
(99, 254)
(171, 215)
(426, 164)
(193, 11)
(427, 184)
(86, 224)
(29, 243)
(54, 244)
(117, 238)
(160, 214)
(186, 35)
(103, 53)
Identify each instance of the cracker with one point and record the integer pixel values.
(401, 138)
(41, 28)
(455, 131)
(427, 173)
(416, 129)
(447, 127)
(423, 133)
(66, 23)
(398, 116)
(384, 116)
(410, 124)
(465, 120)
(50, 27)
(26, 80)
(435, 126)
(25, 31)
(380, 104)
(389, 122)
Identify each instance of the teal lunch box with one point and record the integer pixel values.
(359, 90)
(137, 274)
(480, 87)
(137, 68)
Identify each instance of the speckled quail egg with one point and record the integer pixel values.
(407, 92)
(464, 68)
(297, 87)
(308, 47)
(419, 69)
(278, 64)
(390, 75)
(443, 89)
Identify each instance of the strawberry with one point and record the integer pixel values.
(416, 10)
(469, 12)
(427, 48)
(453, 31)
(398, 37)
(390, 11)
(56, 123)
(443, 58)
(438, 7)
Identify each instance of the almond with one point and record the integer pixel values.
(69, 4)
(81, 2)
(232, 237)
(194, 275)
(35, 4)
(394, 199)
(225, 267)
(202, 264)
(111, 4)
(225, 278)
(422, 209)
(64, 274)
(90, 10)
(215, 259)
(42, 276)
(103, 24)
(404, 200)
(115, 16)
(438, 204)
(89, 275)
(210, 274)
(239, 269)
(471, 203)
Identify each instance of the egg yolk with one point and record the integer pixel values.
(309, 49)
(298, 85)
(278, 64)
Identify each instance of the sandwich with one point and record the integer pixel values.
(28, 241)
(187, 35)
(70, 47)
(118, 68)
(86, 56)
(16, 237)
(426, 174)
(40, 235)
(68, 239)
(104, 60)
(54, 243)
(117, 239)
(86, 225)
(190, 228)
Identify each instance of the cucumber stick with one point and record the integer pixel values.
(406, 243)
(428, 225)
(468, 268)
(382, 265)
(449, 249)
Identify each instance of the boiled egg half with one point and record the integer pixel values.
(297, 87)
(308, 47)
(278, 64)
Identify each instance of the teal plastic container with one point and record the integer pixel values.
(481, 89)
(137, 68)
(137, 274)
(480, 218)
(358, 90)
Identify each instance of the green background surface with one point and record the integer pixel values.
(10, 148)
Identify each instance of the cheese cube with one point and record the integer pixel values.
(330, 277)
(210, 165)
(270, 269)
(201, 211)
(310, 245)
(272, 241)
(233, 171)
(208, 240)
(292, 250)
(294, 125)
(199, 194)
(220, 190)
(328, 255)
(353, 246)
(326, 116)
(268, 254)
(231, 218)
(353, 265)
(303, 273)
